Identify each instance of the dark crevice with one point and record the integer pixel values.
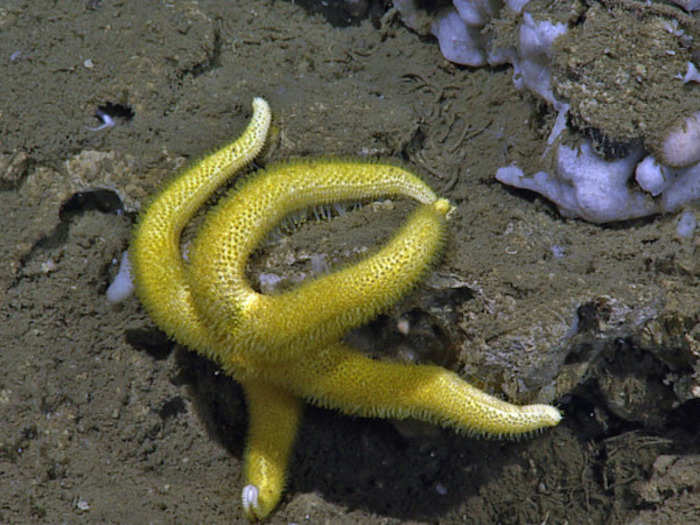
(607, 147)
(687, 417)
(102, 200)
(114, 110)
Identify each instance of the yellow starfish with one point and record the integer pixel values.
(287, 347)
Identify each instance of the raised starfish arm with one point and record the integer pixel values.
(261, 328)
(341, 378)
(159, 271)
(274, 416)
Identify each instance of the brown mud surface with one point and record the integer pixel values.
(106, 421)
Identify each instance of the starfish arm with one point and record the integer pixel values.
(350, 297)
(157, 267)
(274, 416)
(338, 377)
(322, 310)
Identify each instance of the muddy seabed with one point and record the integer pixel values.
(105, 420)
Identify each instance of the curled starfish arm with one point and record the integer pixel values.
(159, 272)
(274, 416)
(341, 378)
(265, 328)
(354, 295)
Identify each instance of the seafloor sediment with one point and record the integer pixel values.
(108, 421)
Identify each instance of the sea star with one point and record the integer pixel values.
(286, 347)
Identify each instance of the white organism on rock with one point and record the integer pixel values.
(586, 186)
(582, 183)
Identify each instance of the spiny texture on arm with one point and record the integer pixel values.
(339, 377)
(266, 328)
(163, 287)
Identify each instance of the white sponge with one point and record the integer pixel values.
(459, 42)
(531, 69)
(586, 186)
(123, 284)
(651, 176)
(681, 147)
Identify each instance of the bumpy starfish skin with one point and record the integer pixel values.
(263, 327)
(287, 347)
(397, 390)
(159, 272)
